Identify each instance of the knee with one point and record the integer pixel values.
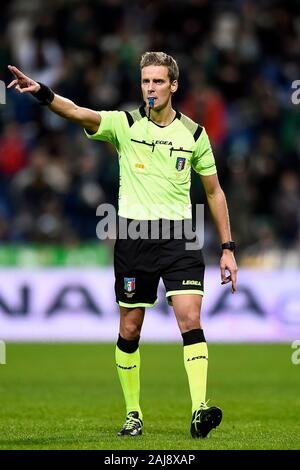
(130, 330)
(189, 322)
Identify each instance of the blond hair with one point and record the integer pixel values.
(160, 58)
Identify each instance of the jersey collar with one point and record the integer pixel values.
(143, 114)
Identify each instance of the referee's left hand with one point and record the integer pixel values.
(228, 263)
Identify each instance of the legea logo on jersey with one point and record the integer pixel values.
(180, 163)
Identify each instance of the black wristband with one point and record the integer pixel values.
(45, 95)
(228, 246)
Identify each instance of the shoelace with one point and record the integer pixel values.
(131, 422)
(202, 407)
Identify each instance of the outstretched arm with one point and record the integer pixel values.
(87, 118)
(218, 208)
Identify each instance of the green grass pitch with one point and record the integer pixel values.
(67, 396)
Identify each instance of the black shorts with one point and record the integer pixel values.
(139, 264)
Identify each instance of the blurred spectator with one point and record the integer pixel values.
(84, 197)
(287, 209)
(205, 105)
(12, 150)
(237, 62)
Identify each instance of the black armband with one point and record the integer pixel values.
(45, 95)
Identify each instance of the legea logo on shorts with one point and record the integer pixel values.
(191, 283)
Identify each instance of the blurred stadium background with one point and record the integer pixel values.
(238, 60)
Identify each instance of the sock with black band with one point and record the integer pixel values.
(195, 362)
(128, 365)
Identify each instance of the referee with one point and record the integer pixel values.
(157, 147)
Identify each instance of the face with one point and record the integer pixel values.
(156, 84)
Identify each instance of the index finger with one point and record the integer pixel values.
(233, 282)
(16, 72)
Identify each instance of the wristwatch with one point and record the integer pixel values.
(228, 246)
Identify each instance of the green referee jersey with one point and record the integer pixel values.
(155, 162)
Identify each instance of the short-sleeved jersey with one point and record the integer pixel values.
(155, 162)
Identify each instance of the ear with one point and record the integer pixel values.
(174, 86)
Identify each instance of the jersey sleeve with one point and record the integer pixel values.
(203, 161)
(111, 128)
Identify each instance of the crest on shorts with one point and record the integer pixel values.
(129, 284)
(180, 163)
